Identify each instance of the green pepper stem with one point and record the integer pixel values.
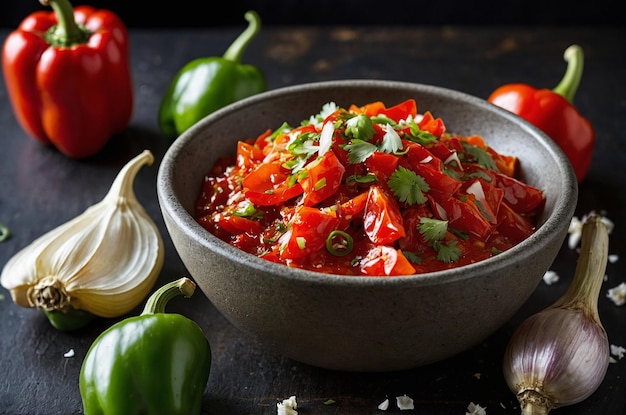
(236, 49)
(66, 32)
(569, 84)
(158, 300)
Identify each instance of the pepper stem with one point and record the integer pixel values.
(584, 290)
(569, 84)
(236, 49)
(159, 299)
(66, 32)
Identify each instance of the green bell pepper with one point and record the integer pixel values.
(154, 363)
(207, 84)
(72, 319)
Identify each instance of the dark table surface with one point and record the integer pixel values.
(41, 189)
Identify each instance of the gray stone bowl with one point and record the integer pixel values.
(364, 324)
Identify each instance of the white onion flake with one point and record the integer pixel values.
(550, 277)
(384, 405)
(326, 138)
(475, 409)
(287, 406)
(618, 294)
(404, 403)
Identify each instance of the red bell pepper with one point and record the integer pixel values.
(68, 77)
(552, 111)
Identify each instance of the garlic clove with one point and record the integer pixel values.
(104, 261)
(559, 356)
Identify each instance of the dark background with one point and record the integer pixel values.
(205, 13)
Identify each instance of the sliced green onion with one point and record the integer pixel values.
(4, 232)
(321, 183)
(343, 247)
(301, 241)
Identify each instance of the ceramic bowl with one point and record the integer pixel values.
(365, 324)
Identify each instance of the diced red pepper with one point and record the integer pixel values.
(372, 109)
(353, 207)
(401, 111)
(433, 125)
(398, 112)
(382, 219)
(521, 197)
(488, 198)
(513, 225)
(382, 165)
(384, 260)
(268, 184)
(236, 224)
(463, 216)
(323, 178)
(248, 155)
(310, 228)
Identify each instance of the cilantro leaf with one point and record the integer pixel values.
(359, 150)
(368, 178)
(383, 119)
(412, 257)
(447, 252)
(417, 135)
(360, 127)
(391, 140)
(479, 155)
(326, 110)
(408, 186)
(432, 229)
(283, 129)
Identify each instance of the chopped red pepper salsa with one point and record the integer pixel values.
(370, 190)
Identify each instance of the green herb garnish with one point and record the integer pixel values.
(359, 150)
(480, 156)
(360, 127)
(408, 186)
(434, 231)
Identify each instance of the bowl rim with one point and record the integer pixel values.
(564, 206)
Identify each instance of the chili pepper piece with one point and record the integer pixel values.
(552, 111)
(68, 77)
(156, 363)
(207, 84)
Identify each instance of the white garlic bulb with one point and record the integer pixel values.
(103, 262)
(559, 356)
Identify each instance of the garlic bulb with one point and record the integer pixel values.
(103, 262)
(560, 355)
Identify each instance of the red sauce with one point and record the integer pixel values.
(369, 190)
